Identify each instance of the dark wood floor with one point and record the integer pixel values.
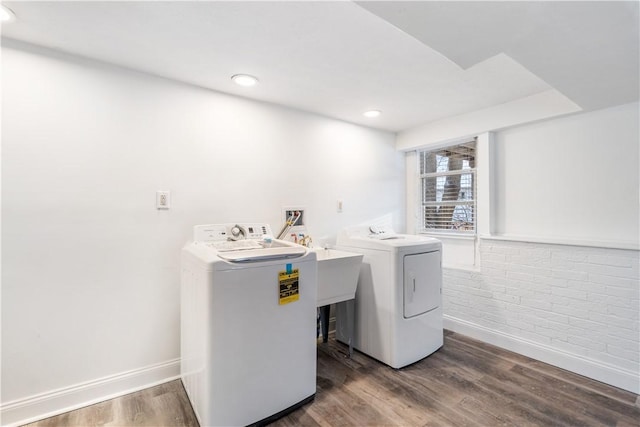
(466, 383)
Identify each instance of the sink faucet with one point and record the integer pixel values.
(305, 241)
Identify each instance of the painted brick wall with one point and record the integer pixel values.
(580, 300)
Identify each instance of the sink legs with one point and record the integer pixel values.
(324, 321)
(348, 307)
(344, 309)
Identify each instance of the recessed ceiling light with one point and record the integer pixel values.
(244, 80)
(6, 14)
(371, 113)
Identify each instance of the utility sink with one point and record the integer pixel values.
(337, 275)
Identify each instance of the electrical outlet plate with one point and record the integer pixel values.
(163, 199)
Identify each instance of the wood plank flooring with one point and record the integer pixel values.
(466, 383)
(163, 405)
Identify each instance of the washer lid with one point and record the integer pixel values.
(235, 245)
(255, 250)
(263, 254)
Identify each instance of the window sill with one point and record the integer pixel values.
(461, 267)
(627, 245)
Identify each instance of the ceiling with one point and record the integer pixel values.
(417, 61)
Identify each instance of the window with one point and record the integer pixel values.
(448, 188)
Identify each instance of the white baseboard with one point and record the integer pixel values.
(44, 405)
(608, 374)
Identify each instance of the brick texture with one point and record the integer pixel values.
(580, 300)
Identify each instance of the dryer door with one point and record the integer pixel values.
(422, 277)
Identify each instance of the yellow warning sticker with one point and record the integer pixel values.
(289, 286)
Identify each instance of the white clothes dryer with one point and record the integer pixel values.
(248, 324)
(398, 304)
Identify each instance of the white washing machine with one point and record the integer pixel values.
(248, 324)
(398, 305)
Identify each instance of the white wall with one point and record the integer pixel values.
(574, 178)
(90, 268)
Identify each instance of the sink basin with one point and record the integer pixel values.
(337, 275)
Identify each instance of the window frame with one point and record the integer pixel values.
(472, 203)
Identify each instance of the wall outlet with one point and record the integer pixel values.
(163, 199)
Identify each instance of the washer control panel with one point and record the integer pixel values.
(230, 232)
